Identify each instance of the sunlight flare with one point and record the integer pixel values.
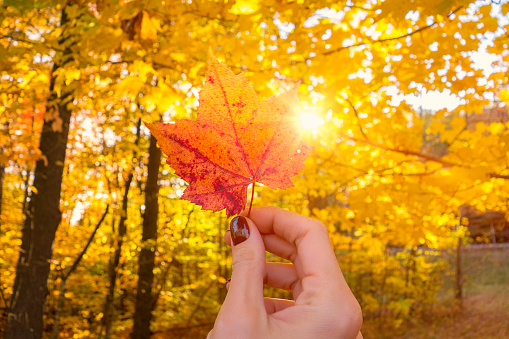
(309, 120)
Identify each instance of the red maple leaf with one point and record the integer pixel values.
(235, 141)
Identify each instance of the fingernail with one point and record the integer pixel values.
(239, 230)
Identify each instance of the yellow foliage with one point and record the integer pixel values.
(149, 27)
(243, 7)
(384, 175)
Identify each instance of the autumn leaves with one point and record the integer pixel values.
(236, 141)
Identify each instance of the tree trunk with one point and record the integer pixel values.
(26, 182)
(25, 319)
(459, 272)
(6, 127)
(143, 308)
(459, 264)
(115, 260)
(2, 171)
(222, 267)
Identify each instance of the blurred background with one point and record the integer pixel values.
(405, 103)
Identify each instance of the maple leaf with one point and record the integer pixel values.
(237, 140)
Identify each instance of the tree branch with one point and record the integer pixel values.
(361, 8)
(63, 286)
(357, 116)
(434, 23)
(406, 152)
(80, 256)
(198, 304)
(16, 39)
(499, 176)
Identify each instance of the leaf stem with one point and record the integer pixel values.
(251, 203)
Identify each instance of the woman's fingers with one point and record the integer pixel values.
(274, 245)
(245, 292)
(273, 305)
(279, 247)
(322, 297)
(314, 255)
(281, 275)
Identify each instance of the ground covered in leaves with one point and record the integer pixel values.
(484, 314)
(485, 308)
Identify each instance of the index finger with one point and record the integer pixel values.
(309, 236)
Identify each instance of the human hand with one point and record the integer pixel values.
(324, 306)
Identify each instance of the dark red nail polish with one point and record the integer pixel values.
(239, 230)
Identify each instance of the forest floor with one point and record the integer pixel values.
(485, 311)
(484, 315)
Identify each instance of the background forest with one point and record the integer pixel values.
(93, 237)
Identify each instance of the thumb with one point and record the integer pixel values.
(245, 292)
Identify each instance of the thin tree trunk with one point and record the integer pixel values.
(161, 283)
(115, 260)
(222, 267)
(2, 171)
(60, 307)
(413, 273)
(459, 265)
(408, 266)
(6, 127)
(25, 319)
(459, 272)
(26, 181)
(143, 307)
(63, 286)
